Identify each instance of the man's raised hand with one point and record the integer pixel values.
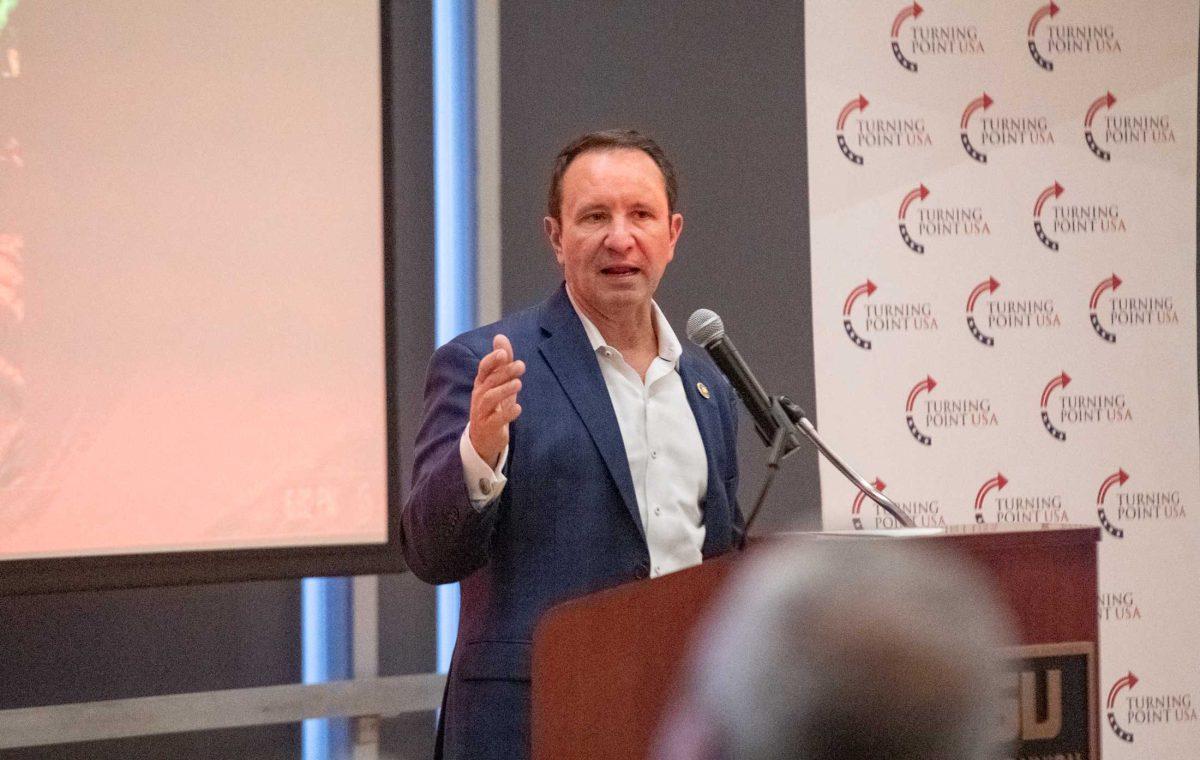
(494, 400)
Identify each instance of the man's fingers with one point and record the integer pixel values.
(489, 363)
(495, 396)
(497, 381)
(507, 411)
(501, 343)
(511, 412)
(499, 374)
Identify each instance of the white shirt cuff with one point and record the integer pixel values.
(484, 484)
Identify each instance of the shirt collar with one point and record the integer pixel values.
(669, 347)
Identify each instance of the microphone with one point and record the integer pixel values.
(777, 419)
(705, 329)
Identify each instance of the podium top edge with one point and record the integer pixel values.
(1036, 531)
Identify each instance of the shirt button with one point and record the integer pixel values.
(485, 486)
(654, 455)
(657, 511)
(657, 571)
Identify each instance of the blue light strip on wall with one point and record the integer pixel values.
(454, 214)
(326, 602)
(325, 624)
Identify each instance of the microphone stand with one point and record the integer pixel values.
(789, 419)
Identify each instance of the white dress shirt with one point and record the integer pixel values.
(662, 444)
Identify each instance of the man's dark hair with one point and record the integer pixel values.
(610, 139)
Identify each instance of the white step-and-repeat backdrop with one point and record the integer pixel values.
(1003, 205)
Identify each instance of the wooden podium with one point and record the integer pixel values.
(605, 666)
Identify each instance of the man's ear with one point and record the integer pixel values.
(676, 231)
(554, 234)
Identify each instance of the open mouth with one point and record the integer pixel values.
(620, 271)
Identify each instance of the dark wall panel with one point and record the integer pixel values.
(407, 605)
(100, 645)
(235, 744)
(721, 87)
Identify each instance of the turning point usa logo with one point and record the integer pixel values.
(995, 131)
(882, 132)
(1128, 710)
(884, 317)
(1071, 219)
(1116, 506)
(1125, 130)
(1060, 409)
(1117, 606)
(930, 39)
(1067, 39)
(1006, 313)
(1018, 508)
(943, 413)
(925, 513)
(917, 223)
(1127, 310)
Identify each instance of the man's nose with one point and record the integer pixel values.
(620, 234)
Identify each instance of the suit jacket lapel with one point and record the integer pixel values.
(571, 358)
(708, 419)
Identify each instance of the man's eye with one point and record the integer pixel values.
(595, 216)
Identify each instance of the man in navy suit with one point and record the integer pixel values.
(569, 447)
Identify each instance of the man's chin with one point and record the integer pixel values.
(624, 297)
(615, 297)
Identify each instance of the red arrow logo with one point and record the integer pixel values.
(1113, 282)
(858, 500)
(984, 102)
(1129, 679)
(909, 11)
(1062, 381)
(858, 104)
(1117, 478)
(1104, 101)
(1054, 190)
(1108, 282)
(927, 384)
(1050, 10)
(987, 286)
(921, 192)
(997, 482)
(867, 288)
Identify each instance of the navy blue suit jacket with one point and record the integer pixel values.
(567, 522)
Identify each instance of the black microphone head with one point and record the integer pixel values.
(704, 326)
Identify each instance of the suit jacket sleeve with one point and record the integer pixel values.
(443, 537)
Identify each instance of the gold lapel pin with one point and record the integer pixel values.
(703, 389)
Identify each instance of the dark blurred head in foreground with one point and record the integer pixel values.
(839, 650)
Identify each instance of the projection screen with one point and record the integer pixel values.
(193, 364)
